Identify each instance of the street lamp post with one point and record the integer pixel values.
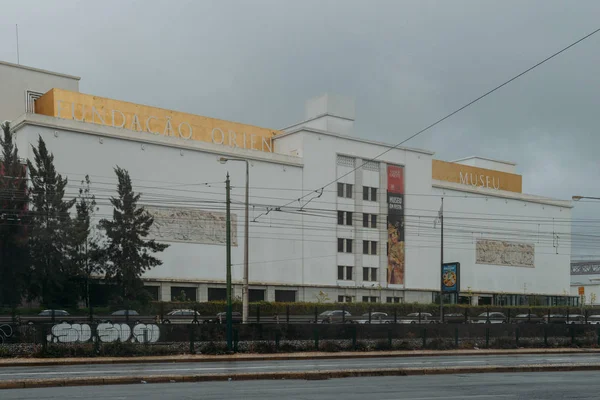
(245, 296)
(577, 198)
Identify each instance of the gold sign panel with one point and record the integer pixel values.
(476, 177)
(152, 120)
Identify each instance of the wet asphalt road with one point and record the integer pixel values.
(144, 369)
(529, 386)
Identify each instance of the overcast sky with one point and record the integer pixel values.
(406, 64)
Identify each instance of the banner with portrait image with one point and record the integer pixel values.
(395, 223)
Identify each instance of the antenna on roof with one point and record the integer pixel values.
(17, 31)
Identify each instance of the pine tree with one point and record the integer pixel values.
(128, 253)
(14, 253)
(52, 273)
(86, 252)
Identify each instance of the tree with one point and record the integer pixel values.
(128, 252)
(86, 252)
(52, 273)
(14, 253)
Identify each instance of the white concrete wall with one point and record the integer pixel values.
(16, 79)
(469, 216)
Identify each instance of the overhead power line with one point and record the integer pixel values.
(470, 103)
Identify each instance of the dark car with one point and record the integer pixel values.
(50, 316)
(182, 317)
(221, 318)
(127, 316)
(334, 316)
(528, 319)
(455, 318)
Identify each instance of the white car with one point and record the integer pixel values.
(418, 318)
(182, 317)
(594, 319)
(376, 318)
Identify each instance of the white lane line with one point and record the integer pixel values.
(317, 367)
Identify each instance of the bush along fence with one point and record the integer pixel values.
(121, 339)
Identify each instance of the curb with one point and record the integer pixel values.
(314, 375)
(25, 362)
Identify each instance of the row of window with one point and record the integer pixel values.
(346, 190)
(345, 273)
(345, 218)
(368, 299)
(369, 246)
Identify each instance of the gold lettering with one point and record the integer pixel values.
(135, 123)
(232, 137)
(190, 131)
(150, 118)
(212, 134)
(114, 120)
(95, 113)
(266, 142)
(168, 128)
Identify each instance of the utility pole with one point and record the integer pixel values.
(442, 262)
(245, 290)
(229, 333)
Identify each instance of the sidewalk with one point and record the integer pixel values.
(24, 362)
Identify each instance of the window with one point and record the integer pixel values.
(217, 294)
(344, 245)
(344, 273)
(369, 193)
(345, 190)
(369, 220)
(285, 296)
(179, 293)
(344, 218)
(369, 299)
(370, 274)
(370, 247)
(344, 299)
(256, 295)
(152, 291)
(392, 299)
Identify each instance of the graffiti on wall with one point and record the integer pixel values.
(105, 333)
(6, 331)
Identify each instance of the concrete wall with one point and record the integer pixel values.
(16, 79)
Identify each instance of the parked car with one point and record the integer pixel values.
(555, 319)
(490, 318)
(182, 317)
(376, 318)
(594, 319)
(334, 316)
(49, 316)
(575, 319)
(528, 319)
(122, 316)
(221, 318)
(416, 318)
(455, 318)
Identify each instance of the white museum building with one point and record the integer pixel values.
(331, 214)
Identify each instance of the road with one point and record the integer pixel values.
(89, 370)
(530, 386)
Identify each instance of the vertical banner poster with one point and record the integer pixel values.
(395, 223)
(451, 277)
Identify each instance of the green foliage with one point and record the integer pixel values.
(52, 275)
(86, 253)
(14, 252)
(128, 252)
